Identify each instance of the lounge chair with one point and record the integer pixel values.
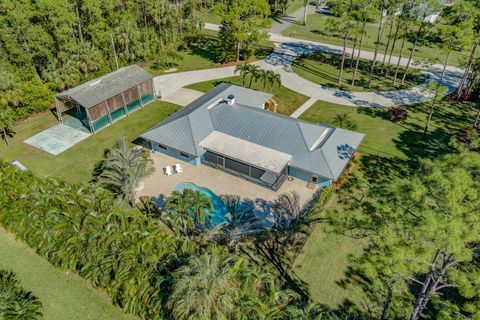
(178, 168)
(168, 171)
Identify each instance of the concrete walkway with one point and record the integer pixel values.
(304, 107)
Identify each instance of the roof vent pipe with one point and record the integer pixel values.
(231, 100)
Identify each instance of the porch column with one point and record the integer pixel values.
(124, 104)
(139, 96)
(59, 113)
(90, 124)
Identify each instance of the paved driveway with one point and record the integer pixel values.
(280, 61)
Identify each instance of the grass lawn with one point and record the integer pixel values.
(202, 55)
(327, 74)
(323, 263)
(77, 163)
(63, 295)
(288, 100)
(207, 16)
(316, 31)
(388, 150)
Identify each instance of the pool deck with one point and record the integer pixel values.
(159, 186)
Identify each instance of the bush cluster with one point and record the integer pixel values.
(16, 302)
(397, 114)
(79, 228)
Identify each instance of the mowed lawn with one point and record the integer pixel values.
(77, 163)
(316, 30)
(327, 74)
(288, 100)
(389, 150)
(202, 54)
(63, 295)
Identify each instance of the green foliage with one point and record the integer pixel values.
(15, 302)
(79, 228)
(48, 46)
(241, 27)
(145, 270)
(424, 233)
(123, 169)
(216, 285)
(343, 120)
(187, 212)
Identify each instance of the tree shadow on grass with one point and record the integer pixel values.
(205, 48)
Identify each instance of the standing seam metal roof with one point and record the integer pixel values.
(317, 148)
(107, 86)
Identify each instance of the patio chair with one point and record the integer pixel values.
(168, 171)
(178, 168)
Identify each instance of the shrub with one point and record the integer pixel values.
(470, 137)
(397, 114)
(344, 121)
(16, 302)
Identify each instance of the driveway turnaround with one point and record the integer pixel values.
(288, 49)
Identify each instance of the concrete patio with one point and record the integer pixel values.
(159, 186)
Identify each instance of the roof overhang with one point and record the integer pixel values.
(245, 151)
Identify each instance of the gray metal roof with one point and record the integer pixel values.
(107, 86)
(317, 148)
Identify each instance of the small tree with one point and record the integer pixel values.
(187, 212)
(242, 23)
(244, 70)
(274, 79)
(123, 168)
(343, 120)
(343, 25)
(6, 123)
(438, 92)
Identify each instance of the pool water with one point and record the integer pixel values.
(220, 210)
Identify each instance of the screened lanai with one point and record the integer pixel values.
(96, 104)
(248, 160)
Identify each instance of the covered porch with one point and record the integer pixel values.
(250, 161)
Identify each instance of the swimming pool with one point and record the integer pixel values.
(220, 210)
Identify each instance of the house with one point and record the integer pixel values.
(102, 101)
(228, 128)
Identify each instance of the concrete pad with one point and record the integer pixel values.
(183, 96)
(57, 139)
(159, 186)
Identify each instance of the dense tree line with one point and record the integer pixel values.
(422, 257)
(145, 268)
(16, 302)
(48, 46)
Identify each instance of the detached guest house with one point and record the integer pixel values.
(99, 102)
(228, 128)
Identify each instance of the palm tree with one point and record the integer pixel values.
(274, 78)
(244, 70)
(15, 302)
(254, 74)
(207, 287)
(343, 120)
(122, 169)
(264, 77)
(187, 210)
(242, 226)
